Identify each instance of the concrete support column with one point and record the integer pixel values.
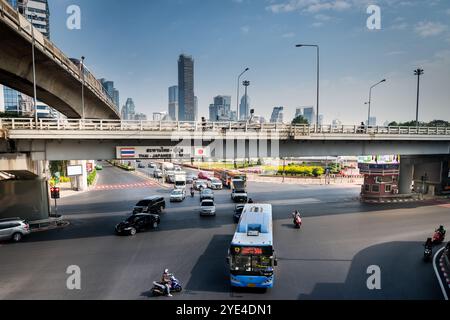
(406, 177)
(42, 169)
(80, 183)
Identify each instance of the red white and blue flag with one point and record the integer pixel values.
(127, 152)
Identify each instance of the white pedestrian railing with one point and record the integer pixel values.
(218, 127)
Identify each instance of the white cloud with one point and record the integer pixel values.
(288, 35)
(322, 17)
(317, 24)
(245, 29)
(429, 29)
(395, 53)
(310, 6)
(400, 26)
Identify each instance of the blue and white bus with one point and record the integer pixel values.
(251, 255)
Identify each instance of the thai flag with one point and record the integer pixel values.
(127, 152)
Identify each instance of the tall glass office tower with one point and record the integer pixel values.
(186, 97)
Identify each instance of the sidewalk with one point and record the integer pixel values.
(414, 197)
(307, 181)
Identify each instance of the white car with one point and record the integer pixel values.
(177, 195)
(207, 208)
(215, 184)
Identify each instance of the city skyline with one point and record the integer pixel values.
(281, 75)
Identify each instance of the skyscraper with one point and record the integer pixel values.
(173, 103)
(129, 110)
(309, 114)
(2, 100)
(111, 91)
(195, 108)
(220, 110)
(244, 108)
(277, 115)
(186, 100)
(37, 12)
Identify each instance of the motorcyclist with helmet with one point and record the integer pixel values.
(167, 281)
(296, 216)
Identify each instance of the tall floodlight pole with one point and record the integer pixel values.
(318, 77)
(34, 73)
(82, 87)
(246, 83)
(238, 85)
(418, 73)
(370, 99)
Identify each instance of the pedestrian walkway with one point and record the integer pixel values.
(124, 186)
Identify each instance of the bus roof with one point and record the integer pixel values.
(255, 226)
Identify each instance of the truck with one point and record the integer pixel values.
(238, 192)
(226, 176)
(180, 180)
(167, 166)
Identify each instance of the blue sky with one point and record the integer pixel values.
(136, 44)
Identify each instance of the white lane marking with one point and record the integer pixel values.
(444, 292)
(293, 201)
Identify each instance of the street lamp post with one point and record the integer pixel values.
(246, 83)
(318, 77)
(238, 84)
(82, 87)
(418, 73)
(34, 73)
(370, 99)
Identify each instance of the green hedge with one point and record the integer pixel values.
(91, 177)
(298, 170)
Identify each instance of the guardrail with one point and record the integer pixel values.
(220, 127)
(14, 19)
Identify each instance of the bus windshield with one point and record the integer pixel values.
(257, 265)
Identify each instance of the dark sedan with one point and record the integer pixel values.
(137, 223)
(238, 212)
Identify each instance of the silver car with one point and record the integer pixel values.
(13, 229)
(207, 208)
(177, 195)
(215, 184)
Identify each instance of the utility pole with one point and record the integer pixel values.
(418, 73)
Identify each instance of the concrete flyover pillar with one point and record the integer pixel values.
(80, 183)
(406, 177)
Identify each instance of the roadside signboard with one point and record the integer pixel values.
(73, 171)
(158, 152)
(380, 159)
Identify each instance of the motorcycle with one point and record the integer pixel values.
(428, 252)
(159, 289)
(438, 237)
(297, 222)
(192, 193)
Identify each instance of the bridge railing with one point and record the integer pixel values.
(218, 127)
(16, 21)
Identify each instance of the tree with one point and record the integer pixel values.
(300, 120)
(412, 123)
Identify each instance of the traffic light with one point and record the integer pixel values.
(54, 191)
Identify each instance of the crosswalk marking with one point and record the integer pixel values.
(124, 186)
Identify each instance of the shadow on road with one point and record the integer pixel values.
(210, 273)
(404, 276)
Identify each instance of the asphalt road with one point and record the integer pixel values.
(327, 259)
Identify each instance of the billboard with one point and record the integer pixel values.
(379, 159)
(73, 171)
(157, 152)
